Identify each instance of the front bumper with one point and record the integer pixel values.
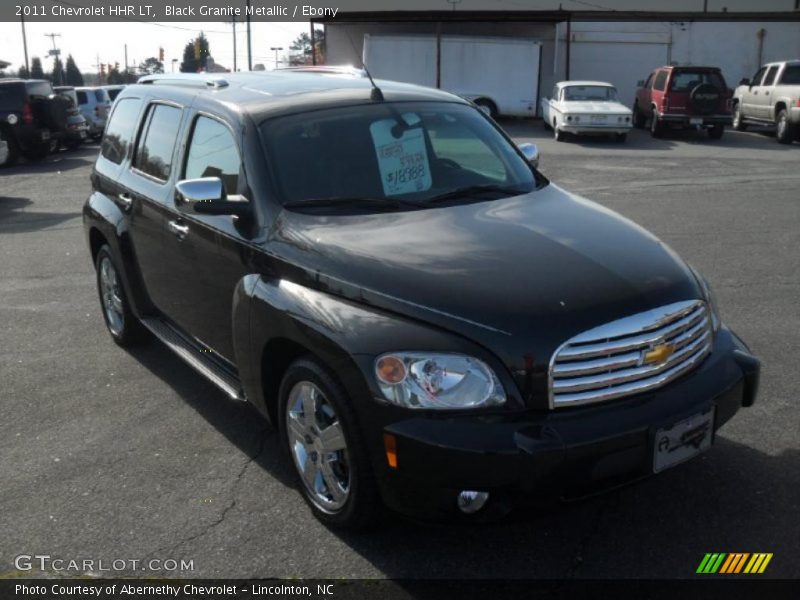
(695, 120)
(596, 129)
(561, 453)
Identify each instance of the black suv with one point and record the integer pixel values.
(32, 118)
(425, 319)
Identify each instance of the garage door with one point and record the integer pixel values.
(622, 63)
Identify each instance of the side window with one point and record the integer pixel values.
(82, 99)
(554, 95)
(769, 79)
(660, 81)
(157, 141)
(791, 75)
(756, 80)
(118, 137)
(213, 153)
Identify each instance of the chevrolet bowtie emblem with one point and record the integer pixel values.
(658, 354)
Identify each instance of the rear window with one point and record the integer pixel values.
(39, 89)
(118, 137)
(82, 98)
(686, 81)
(157, 143)
(10, 94)
(791, 75)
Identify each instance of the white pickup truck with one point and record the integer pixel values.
(771, 97)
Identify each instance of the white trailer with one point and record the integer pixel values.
(498, 73)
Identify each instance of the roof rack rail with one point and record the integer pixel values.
(186, 79)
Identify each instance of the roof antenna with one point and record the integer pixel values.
(377, 94)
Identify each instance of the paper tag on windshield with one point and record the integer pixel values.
(403, 160)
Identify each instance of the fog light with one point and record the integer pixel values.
(12, 119)
(470, 502)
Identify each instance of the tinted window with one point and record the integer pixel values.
(686, 81)
(791, 75)
(410, 151)
(82, 99)
(756, 80)
(11, 94)
(118, 137)
(660, 81)
(154, 153)
(769, 79)
(213, 153)
(39, 89)
(112, 94)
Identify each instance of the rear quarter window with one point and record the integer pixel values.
(118, 138)
(157, 141)
(660, 81)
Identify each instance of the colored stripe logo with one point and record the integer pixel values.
(734, 563)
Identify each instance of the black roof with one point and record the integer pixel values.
(271, 93)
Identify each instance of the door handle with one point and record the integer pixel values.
(125, 200)
(179, 230)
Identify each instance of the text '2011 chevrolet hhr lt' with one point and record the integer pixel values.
(428, 322)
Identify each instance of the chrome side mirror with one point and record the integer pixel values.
(531, 153)
(206, 196)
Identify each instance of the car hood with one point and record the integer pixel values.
(542, 266)
(598, 107)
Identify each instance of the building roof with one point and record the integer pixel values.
(268, 93)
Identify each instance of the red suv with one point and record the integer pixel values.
(683, 97)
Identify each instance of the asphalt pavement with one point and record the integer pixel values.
(109, 454)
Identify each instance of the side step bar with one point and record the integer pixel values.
(195, 357)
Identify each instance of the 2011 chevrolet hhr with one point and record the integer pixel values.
(428, 322)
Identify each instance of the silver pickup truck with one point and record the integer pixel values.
(771, 97)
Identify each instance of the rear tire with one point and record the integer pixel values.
(639, 120)
(487, 106)
(656, 126)
(323, 464)
(784, 131)
(716, 132)
(738, 122)
(36, 154)
(124, 327)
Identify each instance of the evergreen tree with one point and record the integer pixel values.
(195, 54)
(57, 76)
(74, 76)
(23, 73)
(37, 72)
(151, 66)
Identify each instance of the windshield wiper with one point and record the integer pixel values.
(477, 190)
(351, 202)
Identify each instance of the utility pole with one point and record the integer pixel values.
(234, 43)
(55, 52)
(276, 49)
(249, 44)
(126, 59)
(25, 45)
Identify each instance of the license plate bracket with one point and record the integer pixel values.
(684, 440)
(696, 121)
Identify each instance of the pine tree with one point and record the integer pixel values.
(57, 76)
(37, 72)
(74, 75)
(23, 73)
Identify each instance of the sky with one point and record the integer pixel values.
(88, 41)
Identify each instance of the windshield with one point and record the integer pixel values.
(404, 153)
(582, 93)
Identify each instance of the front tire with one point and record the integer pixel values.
(320, 432)
(784, 132)
(124, 327)
(558, 135)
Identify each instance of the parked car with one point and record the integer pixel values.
(113, 91)
(31, 117)
(585, 108)
(428, 322)
(77, 129)
(771, 97)
(680, 97)
(94, 104)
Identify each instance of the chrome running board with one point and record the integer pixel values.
(197, 357)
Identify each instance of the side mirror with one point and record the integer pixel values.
(531, 153)
(744, 81)
(206, 196)
(640, 83)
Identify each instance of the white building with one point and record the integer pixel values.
(620, 44)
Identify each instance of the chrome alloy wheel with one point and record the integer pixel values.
(318, 446)
(111, 293)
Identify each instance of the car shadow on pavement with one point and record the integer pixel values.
(733, 498)
(15, 219)
(65, 160)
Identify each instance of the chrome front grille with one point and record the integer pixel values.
(631, 355)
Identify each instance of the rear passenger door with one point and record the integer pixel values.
(763, 94)
(206, 254)
(146, 188)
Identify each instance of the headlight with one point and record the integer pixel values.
(710, 300)
(437, 381)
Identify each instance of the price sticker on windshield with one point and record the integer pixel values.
(402, 156)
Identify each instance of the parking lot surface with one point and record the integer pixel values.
(108, 454)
